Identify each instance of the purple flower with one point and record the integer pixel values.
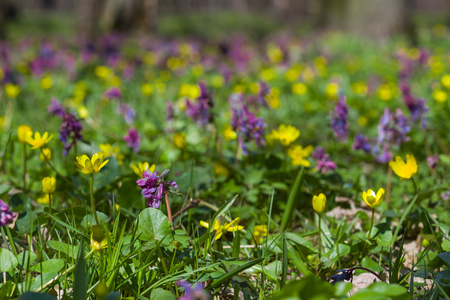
(246, 125)
(169, 111)
(70, 129)
(113, 93)
(154, 187)
(201, 111)
(55, 108)
(339, 119)
(432, 161)
(127, 111)
(324, 163)
(194, 292)
(393, 128)
(6, 215)
(264, 90)
(361, 143)
(417, 107)
(133, 139)
(445, 195)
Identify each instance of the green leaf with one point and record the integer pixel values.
(370, 264)
(36, 296)
(4, 189)
(383, 234)
(153, 225)
(90, 219)
(80, 282)
(446, 245)
(49, 266)
(223, 209)
(7, 260)
(70, 250)
(223, 279)
(42, 279)
(160, 294)
(112, 296)
(25, 222)
(309, 287)
(291, 200)
(22, 258)
(382, 290)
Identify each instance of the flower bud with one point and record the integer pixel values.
(425, 243)
(319, 202)
(48, 185)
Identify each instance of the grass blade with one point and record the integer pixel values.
(291, 200)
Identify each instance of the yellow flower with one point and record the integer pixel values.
(12, 90)
(220, 169)
(142, 167)
(83, 112)
(298, 155)
(332, 90)
(229, 133)
(102, 71)
(46, 154)
(446, 81)
(273, 101)
(46, 83)
(319, 202)
(402, 169)
(385, 92)
(24, 132)
(259, 232)
(440, 95)
(43, 200)
(219, 229)
(217, 81)
(299, 88)
(147, 89)
(179, 140)
(48, 185)
(286, 134)
(99, 240)
(39, 140)
(91, 166)
(371, 198)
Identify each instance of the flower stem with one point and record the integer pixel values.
(163, 261)
(49, 225)
(371, 222)
(24, 168)
(320, 238)
(92, 199)
(169, 212)
(415, 186)
(388, 188)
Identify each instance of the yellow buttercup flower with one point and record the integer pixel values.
(286, 134)
(220, 169)
(99, 240)
(179, 140)
(91, 166)
(299, 154)
(147, 89)
(48, 185)
(404, 170)
(259, 232)
(371, 198)
(440, 95)
(46, 154)
(299, 88)
(319, 202)
(83, 112)
(43, 200)
(12, 90)
(219, 229)
(46, 83)
(229, 133)
(39, 140)
(24, 132)
(445, 80)
(140, 168)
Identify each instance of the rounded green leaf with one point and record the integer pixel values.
(153, 225)
(7, 261)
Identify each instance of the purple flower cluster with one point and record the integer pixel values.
(133, 139)
(113, 93)
(6, 215)
(191, 292)
(154, 187)
(55, 108)
(201, 111)
(324, 163)
(432, 161)
(246, 125)
(127, 111)
(70, 129)
(361, 143)
(339, 119)
(416, 106)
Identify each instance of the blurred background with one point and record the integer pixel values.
(215, 19)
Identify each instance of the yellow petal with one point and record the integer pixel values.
(204, 224)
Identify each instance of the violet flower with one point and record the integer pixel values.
(339, 119)
(324, 163)
(70, 129)
(55, 108)
(361, 143)
(133, 139)
(113, 93)
(6, 215)
(416, 106)
(154, 187)
(127, 111)
(194, 292)
(201, 111)
(246, 125)
(432, 161)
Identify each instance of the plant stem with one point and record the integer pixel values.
(371, 222)
(92, 199)
(49, 212)
(11, 240)
(320, 238)
(163, 261)
(169, 212)
(24, 168)
(388, 188)
(415, 186)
